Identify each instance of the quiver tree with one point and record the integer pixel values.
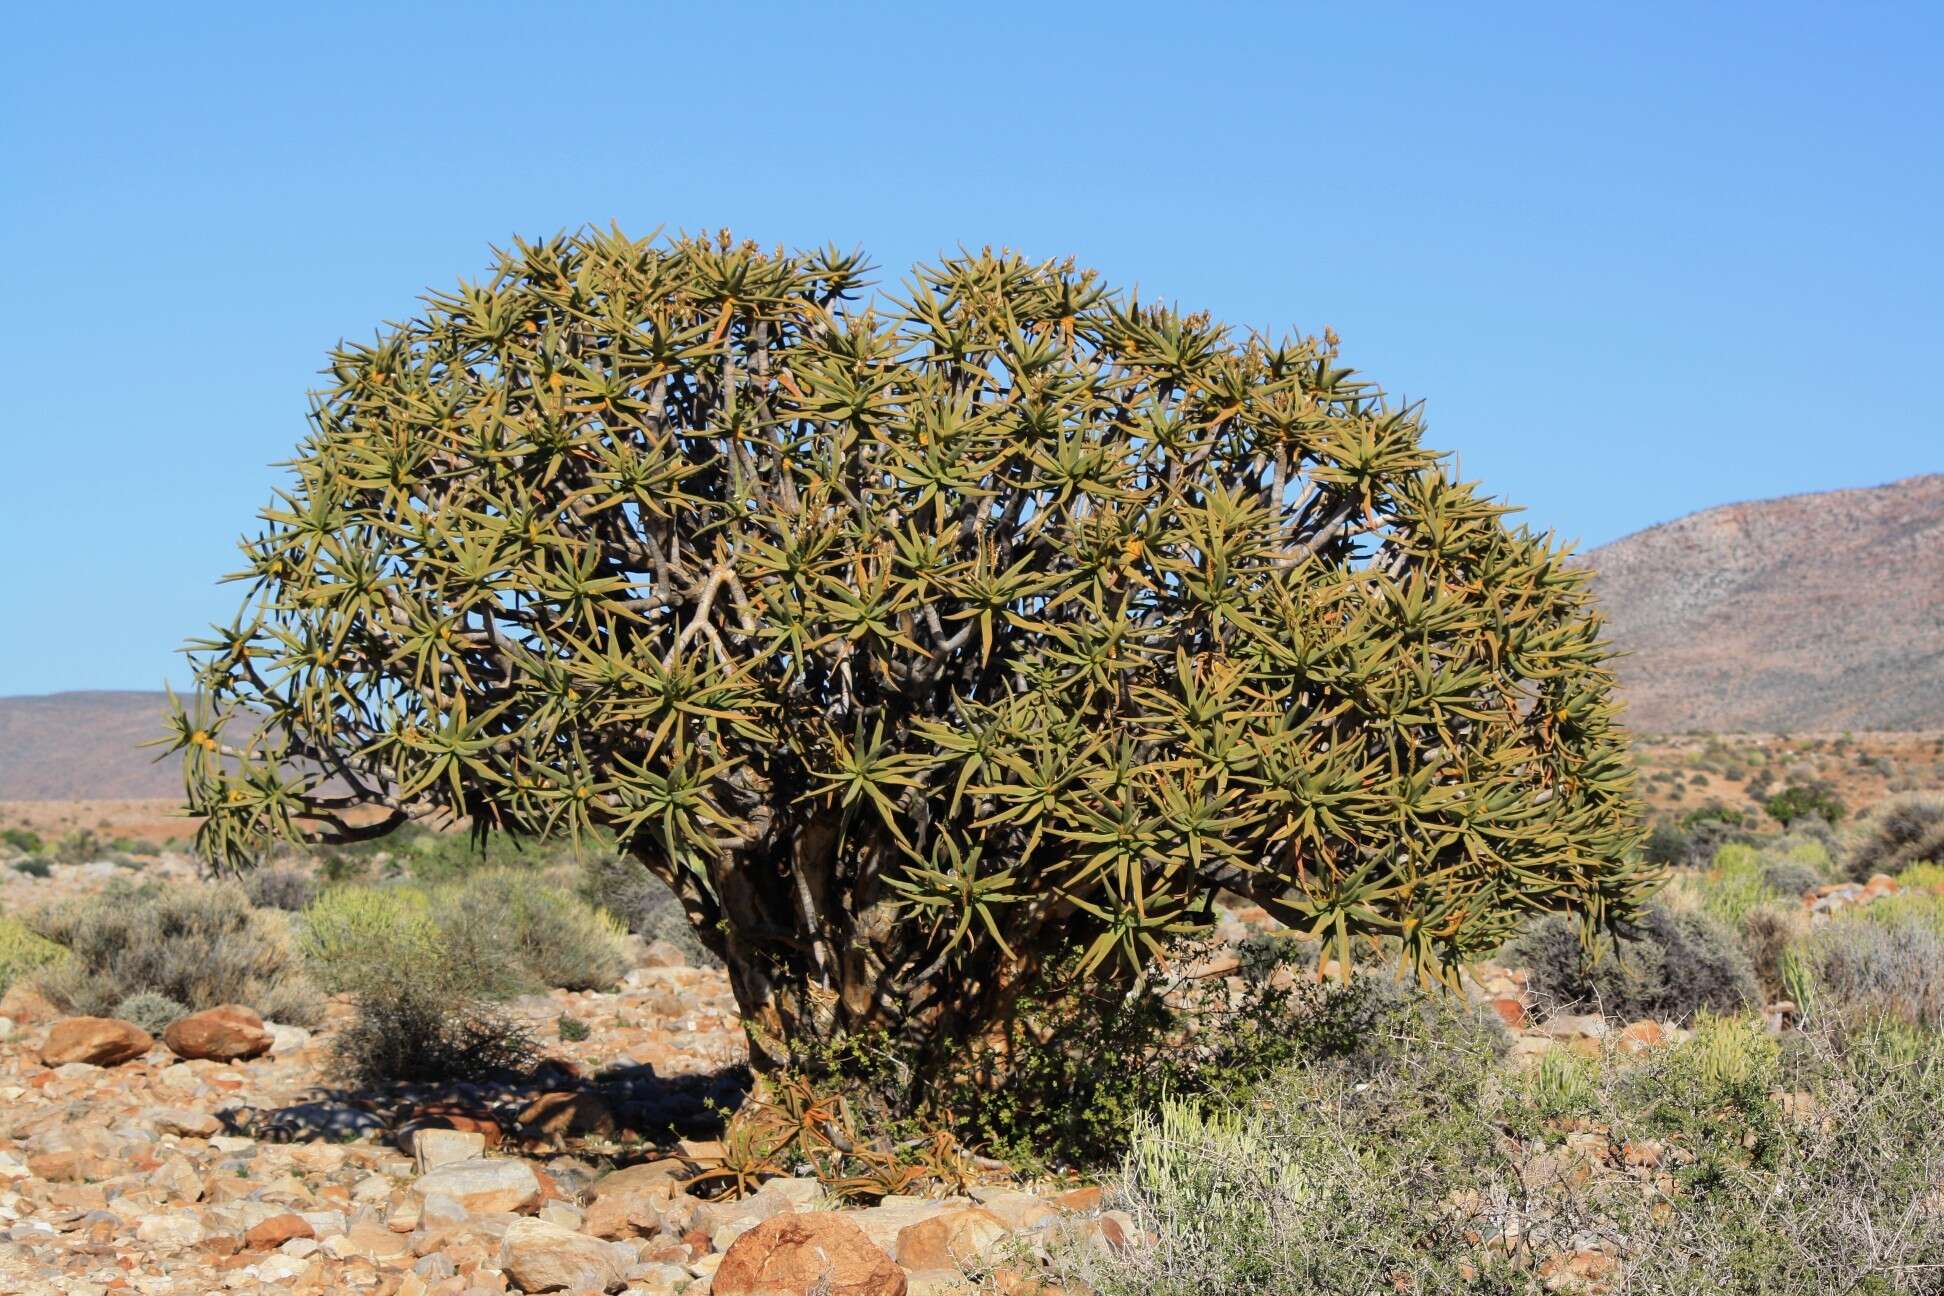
(918, 648)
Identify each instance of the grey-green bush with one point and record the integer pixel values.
(200, 945)
(286, 888)
(639, 900)
(1896, 834)
(427, 1030)
(152, 1012)
(1768, 931)
(509, 931)
(543, 936)
(1674, 964)
(1352, 1183)
(1889, 966)
(1791, 877)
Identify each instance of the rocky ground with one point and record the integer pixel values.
(219, 1159)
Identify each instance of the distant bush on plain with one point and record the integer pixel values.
(1672, 965)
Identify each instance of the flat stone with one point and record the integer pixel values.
(793, 1254)
(276, 1231)
(171, 1230)
(952, 1242)
(484, 1184)
(663, 1173)
(539, 1256)
(185, 1122)
(432, 1148)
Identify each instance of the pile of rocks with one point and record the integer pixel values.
(211, 1160)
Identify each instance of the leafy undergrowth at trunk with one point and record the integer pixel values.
(1736, 1161)
(1067, 1088)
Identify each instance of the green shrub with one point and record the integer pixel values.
(1922, 877)
(348, 930)
(1713, 813)
(1082, 1067)
(1561, 1085)
(1672, 965)
(1733, 885)
(23, 951)
(1709, 830)
(1900, 832)
(571, 1029)
(79, 846)
(512, 931)
(33, 867)
(1802, 801)
(24, 840)
(151, 1011)
(544, 936)
(200, 945)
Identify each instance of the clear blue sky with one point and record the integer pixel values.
(1640, 259)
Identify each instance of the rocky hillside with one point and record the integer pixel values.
(71, 746)
(1812, 612)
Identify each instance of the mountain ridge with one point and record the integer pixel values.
(1816, 611)
(84, 745)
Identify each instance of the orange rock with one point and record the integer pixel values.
(1079, 1199)
(1510, 1011)
(226, 1034)
(1642, 1036)
(1579, 1271)
(1646, 1154)
(951, 1242)
(102, 1041)
(793, 1254)
(277, 1230)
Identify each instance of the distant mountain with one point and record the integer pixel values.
(1812, 612)
(84, 746)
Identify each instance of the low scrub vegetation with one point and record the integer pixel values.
(23, 951)
(198, 945)
(426, 1027)
(637, 898)
(1733, 1162)
(512, 931)
(152, 1012)
(427, 962)
(1897, 835)
(1884, 959)
(1670, 966)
